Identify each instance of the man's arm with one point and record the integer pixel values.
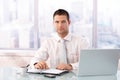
(40, 56)
(84, 44)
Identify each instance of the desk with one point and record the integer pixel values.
(14, 73)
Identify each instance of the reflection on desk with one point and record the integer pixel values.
(16, 73)
(112, 77)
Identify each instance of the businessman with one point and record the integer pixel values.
(61, 51)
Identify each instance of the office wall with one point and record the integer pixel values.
(18, 59)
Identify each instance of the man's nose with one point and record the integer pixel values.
(60, 24)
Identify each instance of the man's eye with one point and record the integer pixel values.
(56, 22)
(63, 21)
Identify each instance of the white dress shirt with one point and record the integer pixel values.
(49, 50)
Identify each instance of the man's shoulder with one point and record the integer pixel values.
(76, 36)
(79, 37)
(50, 39)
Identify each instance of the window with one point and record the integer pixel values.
(108, 24)
(16, 24)
(80, 14)
(24, 24)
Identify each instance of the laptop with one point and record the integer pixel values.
(98, 62)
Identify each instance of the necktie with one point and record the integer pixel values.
(63, 53)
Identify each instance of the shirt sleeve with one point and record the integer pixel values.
(75, 65)
(84, 44)
(40, 55)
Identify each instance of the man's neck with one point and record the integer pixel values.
(62, 35)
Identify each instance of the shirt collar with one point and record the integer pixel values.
(67, 38)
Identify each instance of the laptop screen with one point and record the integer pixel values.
(98, 62)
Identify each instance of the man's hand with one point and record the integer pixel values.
(64, 67)
(41, 65)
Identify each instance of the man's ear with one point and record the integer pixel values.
(69, 21)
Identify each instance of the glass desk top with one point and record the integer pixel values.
(16, 73)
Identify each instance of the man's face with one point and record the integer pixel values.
(61, 24)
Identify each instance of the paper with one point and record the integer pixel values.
(47, 71)
(34, 71)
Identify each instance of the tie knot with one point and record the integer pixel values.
(62, 40)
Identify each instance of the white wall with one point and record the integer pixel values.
(15, 58)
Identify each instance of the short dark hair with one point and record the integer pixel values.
(61, 12)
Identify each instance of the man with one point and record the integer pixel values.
(48, 56)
